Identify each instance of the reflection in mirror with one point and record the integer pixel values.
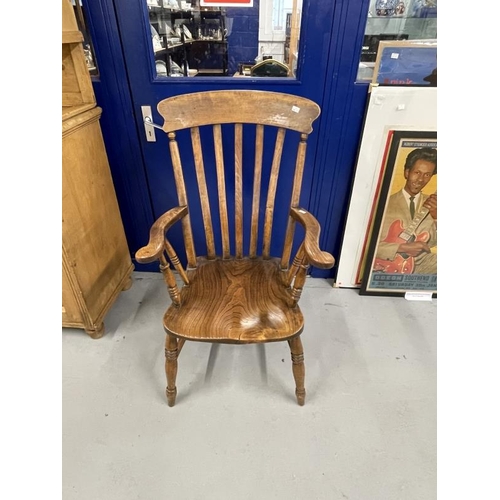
(395, 20)
(88, 47)
(236, 38)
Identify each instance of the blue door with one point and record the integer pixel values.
(325, 71)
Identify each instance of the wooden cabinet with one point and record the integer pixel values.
(96, 262)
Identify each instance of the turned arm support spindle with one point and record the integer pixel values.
(169, 277)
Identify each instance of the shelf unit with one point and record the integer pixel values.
(205, 52)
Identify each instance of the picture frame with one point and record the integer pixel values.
(369, 231)
(406, 62)
(402, 251)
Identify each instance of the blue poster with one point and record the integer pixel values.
(408, 66)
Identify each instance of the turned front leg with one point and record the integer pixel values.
(171, 353)
(298, 368)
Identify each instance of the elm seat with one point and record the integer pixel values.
(239, 291)
(237, 300)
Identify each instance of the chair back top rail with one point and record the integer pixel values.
(238, 106)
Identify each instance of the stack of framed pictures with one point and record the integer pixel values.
(389, 244)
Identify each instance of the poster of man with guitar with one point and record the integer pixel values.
(404, 255)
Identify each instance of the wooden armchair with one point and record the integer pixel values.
(236, 298)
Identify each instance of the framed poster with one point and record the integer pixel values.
(410, 62)
(402, 254)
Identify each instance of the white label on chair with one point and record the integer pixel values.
(295, 109)
(418, 296)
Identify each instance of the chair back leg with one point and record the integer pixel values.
(298, 368)
(171, 353)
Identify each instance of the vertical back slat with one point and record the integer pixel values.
(221, 184)
(297, 185)
(259, 147)
(181, 193)
(271, 192)
(202, 187)
(238, 181)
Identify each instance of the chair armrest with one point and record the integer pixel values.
(154, 248)
(314, 255)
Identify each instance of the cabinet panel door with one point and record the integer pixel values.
(93, 236)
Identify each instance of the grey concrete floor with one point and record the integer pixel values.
(367, 431)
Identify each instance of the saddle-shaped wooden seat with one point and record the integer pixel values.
(237, 300)
(237, 297)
